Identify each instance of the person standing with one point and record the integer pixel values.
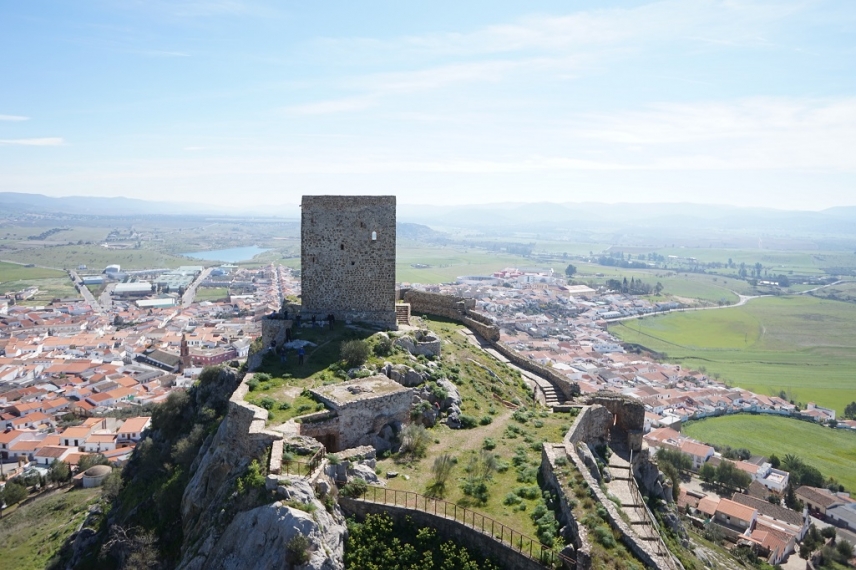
(300, 354)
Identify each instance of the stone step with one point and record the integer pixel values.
(639, 523)
(621, 478)
(402, 313)
(614, 466)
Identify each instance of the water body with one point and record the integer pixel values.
(232, 255)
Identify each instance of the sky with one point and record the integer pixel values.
(229, 102)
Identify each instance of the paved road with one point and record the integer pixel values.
(190, 292)
(85, 292)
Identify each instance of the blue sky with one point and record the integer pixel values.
(232, 101)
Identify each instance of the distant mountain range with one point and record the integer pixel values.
(589, 221)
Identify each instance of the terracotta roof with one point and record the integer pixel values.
(696, 449)
(767, 508)
(708, 505)
(134, 425)
(52, 451)
(735, 510)
(820, 496)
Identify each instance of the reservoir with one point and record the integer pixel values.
(232, 255)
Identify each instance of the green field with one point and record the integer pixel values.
(32, 534)
(800, 344)
(831, 451)
(211, 293)
(15, 272)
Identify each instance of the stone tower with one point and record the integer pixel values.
(348, 258)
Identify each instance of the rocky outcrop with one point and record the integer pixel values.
(420, 342)
(215, 536)
(268, 537)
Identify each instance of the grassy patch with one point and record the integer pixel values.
(211, 293)
(15, 272)
(802, 345)
(32, 534)
(831, 451)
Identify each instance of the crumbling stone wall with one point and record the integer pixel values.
(348, 258)
(362, 416)
(629, 416)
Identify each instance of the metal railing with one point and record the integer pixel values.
(525, 545)
(662, 550)
(304, 468)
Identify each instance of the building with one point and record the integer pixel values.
(348, 258)
(818, 499)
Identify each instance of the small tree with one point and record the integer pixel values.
(570, 270)
(415, 440)
(13, 493)
(59, 472)
(354, 352)
(91, 460)
(707, 473)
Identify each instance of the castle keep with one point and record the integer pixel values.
(348, 258)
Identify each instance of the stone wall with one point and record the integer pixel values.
(348, 258)
(569, 390)
(462, 310)
(578, 534)
(592, 422)
(629, 415)
(361, 416)
(448, 529)
(273, 331)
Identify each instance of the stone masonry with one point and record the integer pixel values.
(348, 258)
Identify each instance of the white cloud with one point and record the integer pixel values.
(45, 141)
(13, 118)
(332, 106)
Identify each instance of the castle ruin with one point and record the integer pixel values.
(348, 258)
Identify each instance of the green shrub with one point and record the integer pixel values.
(511, 499)
(333, 459)
(356, 487)
(262, 377)
(354, 352)
(603, 535)
(298, 550)
(284, 406)
(383, 346)
(485, 420)
(532, 492)
(267, 403)
(468, 422)
(253, 384)
(489, 443)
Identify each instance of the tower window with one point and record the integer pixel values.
(342, 246)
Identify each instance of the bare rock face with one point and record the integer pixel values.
(268, 538)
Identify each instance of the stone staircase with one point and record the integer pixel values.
(402, 313)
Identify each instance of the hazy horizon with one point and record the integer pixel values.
(748, 104)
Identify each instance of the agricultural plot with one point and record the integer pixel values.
(15, 272)
(833, 452)
(801, 345)
(95, 257)
(447, 263)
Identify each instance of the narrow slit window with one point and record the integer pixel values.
(374, 236)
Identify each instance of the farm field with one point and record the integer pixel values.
(447, 263)
(705, 287)
(95, 257)
(799, 344)
(211, 293)
(831, 451)
(15, 272)
(49, 289)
